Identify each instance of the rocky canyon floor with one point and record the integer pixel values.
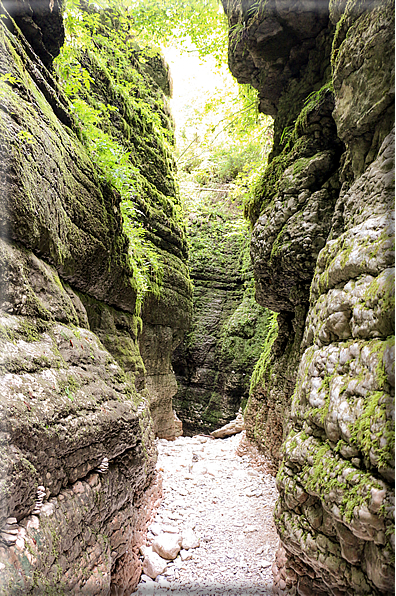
(218, 499)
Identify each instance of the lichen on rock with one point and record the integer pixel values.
(77, 411)
(322, 245)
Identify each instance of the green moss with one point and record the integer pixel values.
(278, 243)
(30, 330)
(300, 165)
(266, 188)
(213, 411)
(243, 334)
(384, 293)
(129, 137)
(7, 333)
(261, 371)
(339, 36)
(312, 102)
(325, 475)
(379, 348)
(375, 410)
(218, 237)
(320, 413)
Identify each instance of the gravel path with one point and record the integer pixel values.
(228, 504)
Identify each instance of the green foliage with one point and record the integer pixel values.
(115, 69)
(216, 229)
(226, 162)
(69, 394)
(169, 22)
(223, 135)
(201, 22)
(249, 14)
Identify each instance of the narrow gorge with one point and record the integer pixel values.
(127, 322)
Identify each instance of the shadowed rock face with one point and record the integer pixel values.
(41, 23)
(294, 224)
(78, 404)
(211, 379)
(321, 250)
(270, 44)
(214, 361)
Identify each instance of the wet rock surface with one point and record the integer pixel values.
(218, 507)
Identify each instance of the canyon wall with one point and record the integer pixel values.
(86, 382)
(214, 361)
(322, 401)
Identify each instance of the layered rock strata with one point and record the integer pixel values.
(322, 256)
(214, 361)
(166, 313)
(78, 458)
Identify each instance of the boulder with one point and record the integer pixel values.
(153, 564)
(167, 545)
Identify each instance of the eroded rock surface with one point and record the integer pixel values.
(77, 416)
(323, 257)
(214, 361)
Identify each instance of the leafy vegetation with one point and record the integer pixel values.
(103, 69)
(173, 22)
(216, 229)
(100, 59)
(262, 369)
(221, 137)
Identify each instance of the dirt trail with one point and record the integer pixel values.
(228, 503)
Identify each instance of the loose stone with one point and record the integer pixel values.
(167, 546)
(224, 533)
(153, 564)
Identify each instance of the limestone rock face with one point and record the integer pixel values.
(271, 44)
(338, 466)
(293, 227)
(157, 343)
(77, 450)
(41, 24)
(213, 362)
(322, 256)
(166, 316)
